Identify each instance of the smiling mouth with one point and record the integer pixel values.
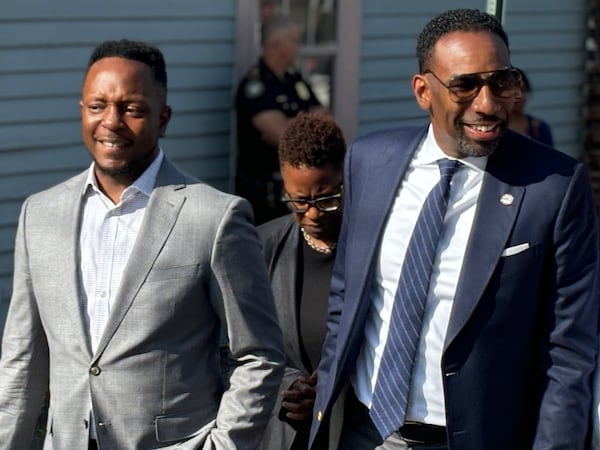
(483, 128)
(112, 144)
(483, 132)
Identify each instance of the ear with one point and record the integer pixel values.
(422, 91)
(165, 116)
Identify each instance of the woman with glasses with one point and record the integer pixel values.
(299, 250)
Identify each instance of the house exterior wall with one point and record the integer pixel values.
(591, 111)
(44, 47)
(388, 61)
(547, 40)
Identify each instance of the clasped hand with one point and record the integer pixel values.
(299, 399)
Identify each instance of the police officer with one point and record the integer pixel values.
(272, 93)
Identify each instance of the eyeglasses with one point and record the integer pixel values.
(503, 83)
(327, 203)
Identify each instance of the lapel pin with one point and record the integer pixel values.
(507, 199)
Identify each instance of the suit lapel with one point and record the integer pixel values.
(67, 228)
(374, 201)
(497, 210)
(287, 285)
(371, 205)
(159, 219)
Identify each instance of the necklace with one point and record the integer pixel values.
(326, 249)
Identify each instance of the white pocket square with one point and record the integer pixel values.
(509, 251)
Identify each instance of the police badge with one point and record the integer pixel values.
(302, 90)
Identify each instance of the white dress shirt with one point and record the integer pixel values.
(108, 234)
(426, 398)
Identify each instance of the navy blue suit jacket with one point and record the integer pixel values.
(522, 337)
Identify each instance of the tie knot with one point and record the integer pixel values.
(448, 167)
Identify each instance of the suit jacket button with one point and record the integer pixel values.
(320, 416)
(95, 370)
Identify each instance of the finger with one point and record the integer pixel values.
(307, 381)
(299, 417)
(294, 407)
(299, 407)
(292, 395)
(307, 391)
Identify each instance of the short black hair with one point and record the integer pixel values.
(312, 140)
(465, 20)
(134, 50)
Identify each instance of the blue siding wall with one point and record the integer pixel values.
(547, 40)
(388, 61)
(44, 48)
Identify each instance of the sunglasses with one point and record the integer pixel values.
(503, 83)
(327, 203)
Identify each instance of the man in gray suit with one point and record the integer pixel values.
(124, 278)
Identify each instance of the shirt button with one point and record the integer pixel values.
(320, 416)
(95, 370)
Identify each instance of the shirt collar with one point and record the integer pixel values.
(144, 183)
(431, 152)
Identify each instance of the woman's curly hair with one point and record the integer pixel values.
(312, 140)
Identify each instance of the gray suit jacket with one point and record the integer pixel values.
(155, 379)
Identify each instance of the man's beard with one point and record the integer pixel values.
(485, 148)
(131, 170)
(117, 173)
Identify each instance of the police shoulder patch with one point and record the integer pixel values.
(254, 88)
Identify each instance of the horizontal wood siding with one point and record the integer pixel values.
(388, 61)
(44, 47)
(547, 40)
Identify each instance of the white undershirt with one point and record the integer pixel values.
(426, 400)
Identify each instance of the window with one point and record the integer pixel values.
(317, 20)
(329, 56)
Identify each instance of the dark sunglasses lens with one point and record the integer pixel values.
(504, 82)
(466, 86)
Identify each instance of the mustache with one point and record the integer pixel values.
(483, 119)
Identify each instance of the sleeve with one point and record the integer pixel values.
(24, 365)
(280, 432)
(572, 322)
(253, 97)
(241, 290)
(305, 91)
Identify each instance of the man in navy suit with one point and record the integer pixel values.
(508, 336)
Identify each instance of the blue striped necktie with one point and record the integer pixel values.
(390, 397)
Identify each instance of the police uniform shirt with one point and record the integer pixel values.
(261, 90)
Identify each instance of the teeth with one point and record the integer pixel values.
(111, 144)
(483, 128)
